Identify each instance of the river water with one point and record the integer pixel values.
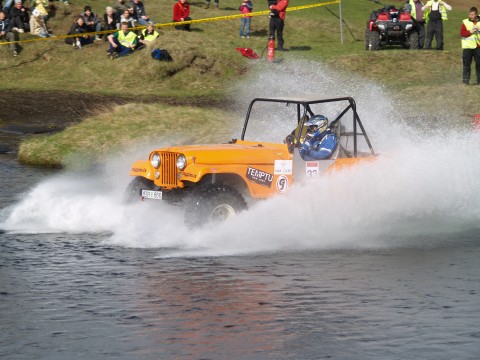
(376, 262)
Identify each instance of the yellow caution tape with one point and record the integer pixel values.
(198, 21)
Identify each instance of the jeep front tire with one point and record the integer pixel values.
(214, 203)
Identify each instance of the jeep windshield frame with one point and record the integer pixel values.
(303, 108)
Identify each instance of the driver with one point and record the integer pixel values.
(319, 142)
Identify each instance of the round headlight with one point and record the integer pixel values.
(181, 162)
(156, 160)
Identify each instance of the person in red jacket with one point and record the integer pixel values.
(277, 19)
(181, 12)
(470, 33)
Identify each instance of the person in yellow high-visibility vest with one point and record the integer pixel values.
(123, 42)
(470, 33)
(418, 15)
(435, 15)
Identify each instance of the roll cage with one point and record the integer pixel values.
(303, 108)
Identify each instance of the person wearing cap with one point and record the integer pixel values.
(7, 34)
(37, 25)
(142, 17)
(19, 17)
(148, 35)
(41, 6)
(123, 42)
(470, 33)
(92, 21)
(181, 13)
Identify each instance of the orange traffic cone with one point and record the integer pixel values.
(271, 49)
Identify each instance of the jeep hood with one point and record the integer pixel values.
(242, 152)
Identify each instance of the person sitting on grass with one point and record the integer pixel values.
(181, 13)
(139, 8)
(92, 21)
(123, 42)
(125, 17)
(110, 19)
(6, 33)
(37, 25)
(19, 17)
(148, 35)
(79, 27)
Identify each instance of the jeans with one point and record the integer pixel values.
(120, 49)
(245, 26)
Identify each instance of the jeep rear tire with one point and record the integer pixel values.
(374, 40)
(132, 193)
(214, 203)
(413, 40)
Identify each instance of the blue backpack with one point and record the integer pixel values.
(161, 54)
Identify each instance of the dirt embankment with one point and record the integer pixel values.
(25, 112)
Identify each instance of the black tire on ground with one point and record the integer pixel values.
(367, 38)
(413, 40)
(374, 43)
(213, 203)
(132, 192)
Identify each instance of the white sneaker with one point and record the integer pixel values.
(21, 31)
(14, 53)
(15, 29)
(97, 38)
(78, 44)
(66, 2)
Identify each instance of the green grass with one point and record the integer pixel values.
(206, 65)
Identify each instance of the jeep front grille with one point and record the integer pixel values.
(169, 169)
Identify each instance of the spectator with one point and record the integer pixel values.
(133, 13)
(277, 21)
(41, 6)
(37, 25)
(128, 19)
(120, 7)
(470, 33)
(207, 3)
(110, 20)
(148, 35)
(92, 21)
(7, 34)
(79, 27)
(435, 13)
(7, 6)
(123, 42)
(139, 8)
(417, 14)
(246, 8)
(19, 17)
(181, 12)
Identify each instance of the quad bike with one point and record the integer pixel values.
(391, 26)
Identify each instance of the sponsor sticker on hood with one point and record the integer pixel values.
(259, 177)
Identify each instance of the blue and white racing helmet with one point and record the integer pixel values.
(316, 123)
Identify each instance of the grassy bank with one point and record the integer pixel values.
(206, 66)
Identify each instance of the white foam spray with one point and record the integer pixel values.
(423, 185)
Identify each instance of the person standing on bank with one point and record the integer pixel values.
(435, 14)
(277, 22)
(417, 13)
(470, 33)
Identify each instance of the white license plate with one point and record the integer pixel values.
(150, 194)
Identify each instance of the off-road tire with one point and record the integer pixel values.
(374, 41)
(212, 203)
(367, 38)
(132, 192)
(413, 40)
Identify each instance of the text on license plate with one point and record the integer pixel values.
(150, 194)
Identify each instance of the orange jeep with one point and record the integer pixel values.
(213, 182)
